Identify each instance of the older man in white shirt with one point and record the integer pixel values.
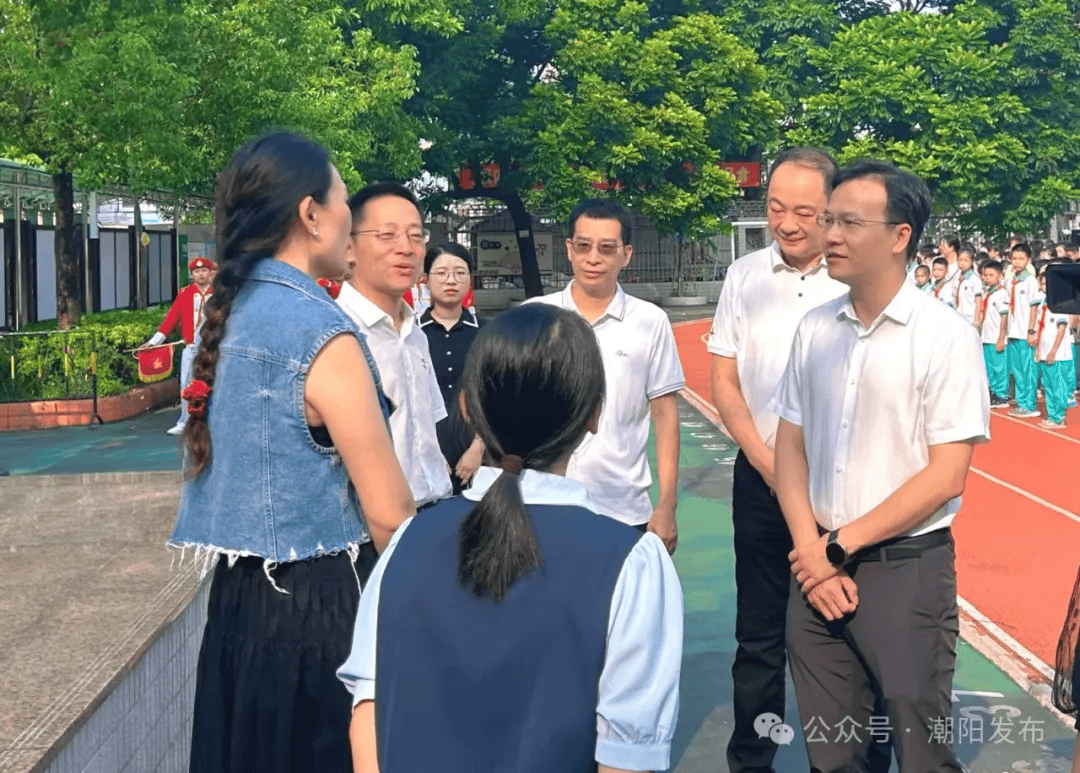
(388, 243)
(764, 296)
(881, 405)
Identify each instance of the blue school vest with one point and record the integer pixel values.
(465, 684)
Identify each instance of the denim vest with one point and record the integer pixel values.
(269, 489)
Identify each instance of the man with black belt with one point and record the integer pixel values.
(881, 405)
(764, 296)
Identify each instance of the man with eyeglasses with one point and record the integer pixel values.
(882, 402)
(764, 296)
(385, 255)
(642, 372)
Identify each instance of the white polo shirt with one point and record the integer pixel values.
(1050, 323)
(641, 363)
(966, 295)
(872, 401)
(995, 306)
(1023, 293)
(761, 303)
(408, 379)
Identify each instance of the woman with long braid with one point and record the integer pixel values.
(514, 628)
(291, 477)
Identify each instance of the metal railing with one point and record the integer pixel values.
(50, 365)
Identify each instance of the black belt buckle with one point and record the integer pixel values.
(905, 547)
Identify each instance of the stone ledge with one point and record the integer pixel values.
(44, 414)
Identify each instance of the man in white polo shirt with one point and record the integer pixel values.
(387, 248)
(764, 296)
(643, 373)
(881, 405)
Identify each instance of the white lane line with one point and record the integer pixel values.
(1021, 422)
(1028, 494)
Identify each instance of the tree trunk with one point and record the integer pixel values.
(68, 302)
(530, 269)
(142, 260)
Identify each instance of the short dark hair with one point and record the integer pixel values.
(994, 265)
(927, 249)
(813, 158)
(941, 262)
(1070, 247)
(1036, 246)
(1021, 247)
(907, 197)
(449, 248)
(603, 209)
(967, 247)
(374, 191)
(953, 240)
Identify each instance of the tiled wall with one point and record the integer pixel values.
(144, 726)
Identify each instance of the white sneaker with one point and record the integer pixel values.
(177, 430)
(1047, 424)
(1021, 413)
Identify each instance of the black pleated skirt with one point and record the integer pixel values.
(266, 696)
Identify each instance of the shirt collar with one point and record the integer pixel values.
(1018, 277)
(899, 309)
(370, 314)
(616, 309)
(537, 488)
(468, 317)
(776, 261)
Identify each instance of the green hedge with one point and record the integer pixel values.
(57, 365)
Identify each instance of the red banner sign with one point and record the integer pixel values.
(747, 174)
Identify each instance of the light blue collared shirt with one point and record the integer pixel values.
(638, 703)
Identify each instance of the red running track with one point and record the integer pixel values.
(1017, 553)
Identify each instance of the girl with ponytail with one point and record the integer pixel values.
(291, 478)
(514, 628)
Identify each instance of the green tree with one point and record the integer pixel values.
(158, 93)
(981, 105)
(566, 97)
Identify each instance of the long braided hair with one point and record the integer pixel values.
(257, 198)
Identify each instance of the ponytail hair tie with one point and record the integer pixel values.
(512, 464)
(196, 393)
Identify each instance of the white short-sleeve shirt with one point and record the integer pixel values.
(872, 401)
(995, 302)
(408, 379)
(641, 363)
(1050, 323)
(761, 303)
(967, 293)
(1023, 293)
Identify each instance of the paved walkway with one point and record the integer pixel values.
(1018, 734)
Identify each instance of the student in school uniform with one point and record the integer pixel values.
(922, 279)
(1023, 303)
(969, 284)
(943, 284)
(516, 628)
(993, 325)
(1054, 354)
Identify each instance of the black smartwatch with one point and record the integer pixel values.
(834, 551)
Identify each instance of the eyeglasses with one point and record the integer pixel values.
(442, 274)
(389, 236)
(849, 224)
(607, 249)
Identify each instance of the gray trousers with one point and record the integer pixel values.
(896, 651)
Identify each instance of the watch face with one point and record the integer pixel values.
(835, 553)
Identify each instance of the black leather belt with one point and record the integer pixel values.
(905, 547)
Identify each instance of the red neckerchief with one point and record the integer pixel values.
(964, 275)
(986, 299)
(1042, 322)
(938, 287)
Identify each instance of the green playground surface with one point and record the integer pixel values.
(996, 727)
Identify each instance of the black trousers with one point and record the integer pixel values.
(889, 666)
(762, 584)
